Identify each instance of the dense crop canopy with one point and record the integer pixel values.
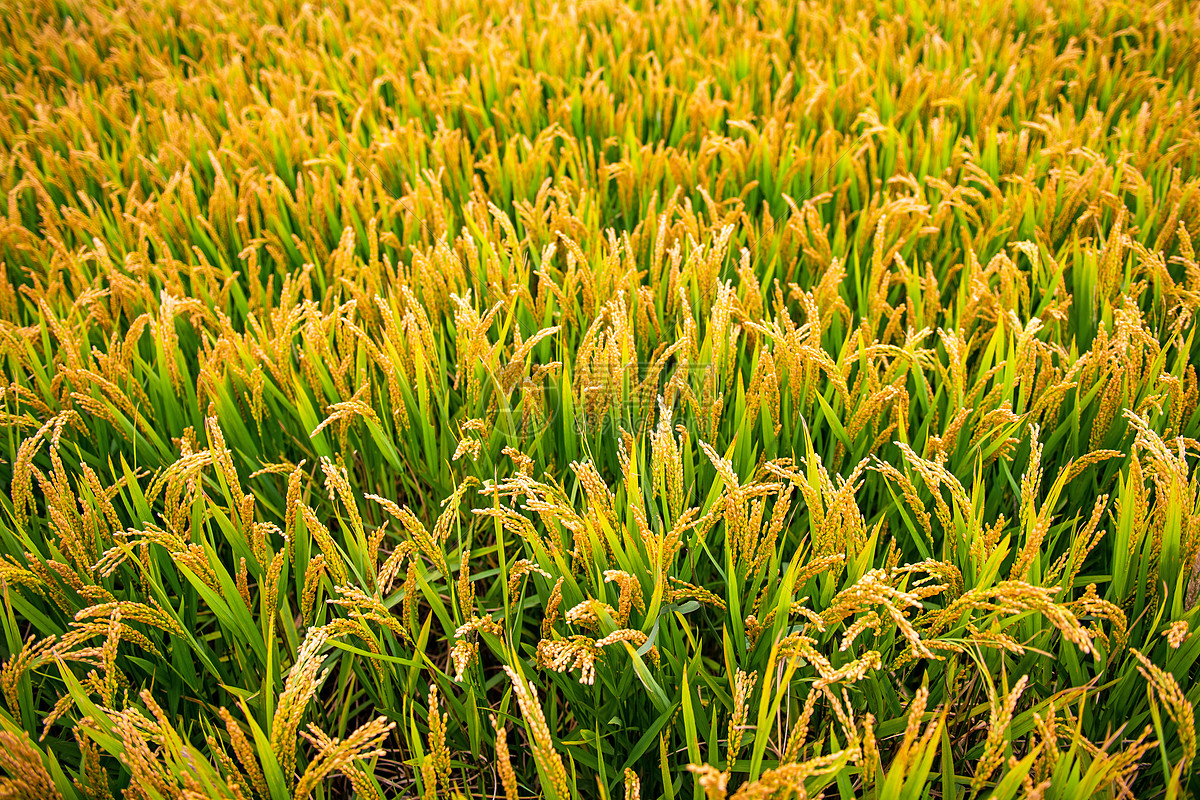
(589, 400)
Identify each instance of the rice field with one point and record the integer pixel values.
(681, 399)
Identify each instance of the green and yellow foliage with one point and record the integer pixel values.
(680, 399)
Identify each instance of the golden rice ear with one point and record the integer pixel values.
(552, 606)
(300, 686)
(743, 688)
(1173, 699)
(544, 751)
(466, 590)
(340, 755)
(711, 780)
(508, 776)
(998, 732)
(439, 753)
(27, 775)
(633, 785)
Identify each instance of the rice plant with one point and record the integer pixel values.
(670, 399)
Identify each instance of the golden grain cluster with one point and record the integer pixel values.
(676, 399)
